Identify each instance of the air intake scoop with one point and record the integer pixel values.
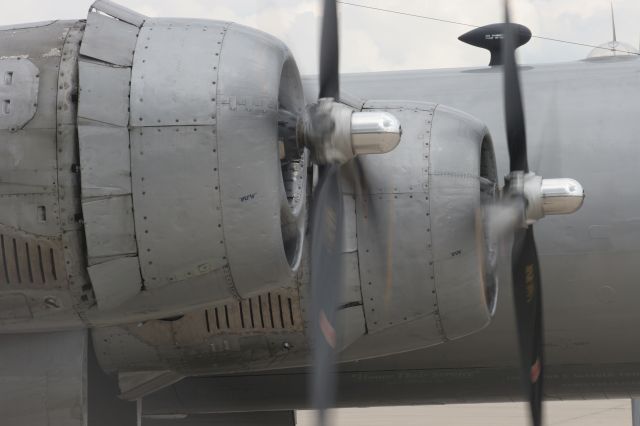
(490, 37)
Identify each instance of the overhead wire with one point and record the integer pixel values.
(448, 21)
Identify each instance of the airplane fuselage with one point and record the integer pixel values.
(582, 122)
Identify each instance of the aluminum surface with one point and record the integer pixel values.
(43, 378)
(459, 249)
(115, 281)
(104, 93)
(396, 270)
(22, 152)
(19, 83)
(109, 228)
(176, 195)
(105, 159)
(408, 162)
(109, 40)
(69, 193)
(34, 201)
(181, 90)
(250, 172)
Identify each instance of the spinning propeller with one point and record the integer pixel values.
(527, 198)
(335, 133)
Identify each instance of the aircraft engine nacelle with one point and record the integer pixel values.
(166, 149)
(192, 187)
(427, 272)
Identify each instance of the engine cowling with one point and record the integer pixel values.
(427, 273)
(189, 192)
(418, 269)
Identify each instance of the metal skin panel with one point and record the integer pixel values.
(176, 196)
(40, 45)
(396, 257)
(265, 331)
(408, 163)
(104, 93)
(120, 12)
(105, 159)
(21, 154)
(352, 325)
(394, 227)
(109, 40)
(439, 154)
(35, 270)
(458, 242)
(26, 212)
(109, 228)
(69, 196)
(14, 307)
(251, 201)
(183, 346)
(43, 378)
(175, 73)
(115, 281)
(165, 301)
(19, 82)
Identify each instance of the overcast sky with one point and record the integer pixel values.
(376, 41)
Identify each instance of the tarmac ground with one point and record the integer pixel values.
(613, 412)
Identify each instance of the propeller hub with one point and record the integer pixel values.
(335, 133)
(374, 132)
(544, 196)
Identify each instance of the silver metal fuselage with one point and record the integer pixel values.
(582, 122)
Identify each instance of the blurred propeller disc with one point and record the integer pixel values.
(326, 232)
(527, 291)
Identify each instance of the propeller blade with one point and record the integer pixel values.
(514, 113)
(503, 218)
(527, 291)
(326, 235)
(329, 53)
(326, 273)
(527, 296)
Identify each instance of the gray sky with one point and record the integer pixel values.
(373, 41)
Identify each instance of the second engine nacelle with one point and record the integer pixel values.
(426, 270)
